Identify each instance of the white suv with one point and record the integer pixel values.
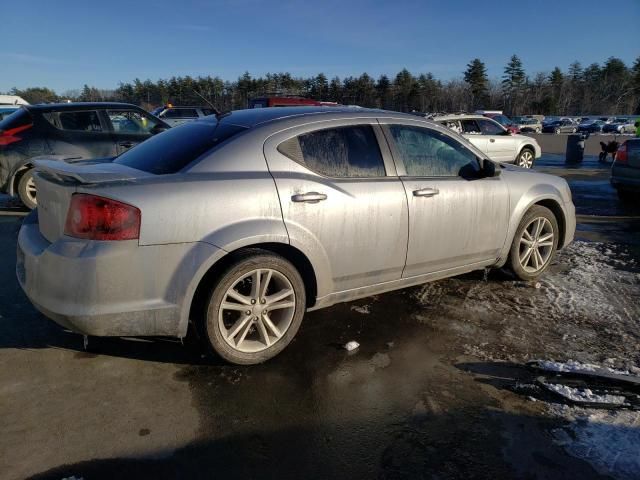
(493, 139)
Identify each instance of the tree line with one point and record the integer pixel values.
(597, 89)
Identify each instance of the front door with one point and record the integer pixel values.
(501, 146)
(456, 217)
(341, 198)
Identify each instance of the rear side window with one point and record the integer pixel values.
(19, 118)
(337, 152)
(83, 121)
(470, 126)
(171, 151)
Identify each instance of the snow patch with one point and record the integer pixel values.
(364, 309)
(584, 395)
(575, 366)
(609, 440)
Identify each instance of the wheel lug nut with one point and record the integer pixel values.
(263, 301)
(255, 318)
(253, 301)
(248, 312)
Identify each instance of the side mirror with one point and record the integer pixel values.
(490, 169)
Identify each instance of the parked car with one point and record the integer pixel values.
(625, 171)
(620, 125)
(174, 115)
(591, 126)
(241, 224)
(527, 124)
(265, 102)
(75, 131)
(493, 139)
(559, 126)
(503, 120)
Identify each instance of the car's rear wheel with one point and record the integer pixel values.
(538, 130)
(534, 244)
(557, 131)
(27, 190)
(255, 308)
(525, 158)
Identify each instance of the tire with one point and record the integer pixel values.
(557, 131)
(538, 130)
(27, 190)
(529, 267)
(525, 158)
(260, 334)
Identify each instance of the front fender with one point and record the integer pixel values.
(535, 194)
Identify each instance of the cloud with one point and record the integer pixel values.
(32, 59)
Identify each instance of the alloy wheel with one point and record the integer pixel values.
(536, 245)
(526, 159)
(257, 310)
(31, 189)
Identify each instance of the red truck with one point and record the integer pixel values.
(263, 102)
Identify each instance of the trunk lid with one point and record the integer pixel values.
(56, 181)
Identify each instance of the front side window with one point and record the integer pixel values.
(337, 152)
(85, 121)
(470, 127)
(490, 128)
(131, 121)
(427, 153)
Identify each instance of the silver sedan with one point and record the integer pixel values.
(239, 224)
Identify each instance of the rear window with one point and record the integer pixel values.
(171, 151)
(19, 118)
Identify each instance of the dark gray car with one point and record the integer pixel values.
(72, 131)
(625, 171)
(239, 224)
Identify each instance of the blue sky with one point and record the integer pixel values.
(67, 43)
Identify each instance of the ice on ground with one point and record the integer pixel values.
(575, 366)
(364, 309)
(608, 439)
(351, 346)
(584, 395)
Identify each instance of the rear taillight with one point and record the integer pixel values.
(98, 218)
(9, 136)
(621, 154)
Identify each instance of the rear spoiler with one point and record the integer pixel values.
(95, 171)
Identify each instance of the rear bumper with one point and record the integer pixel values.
(108, 288)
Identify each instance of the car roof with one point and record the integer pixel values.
(48, 107)
(257, 116)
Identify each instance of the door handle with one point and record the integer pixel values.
(310, 197)
(126, 144)
(492, 140)
(426, 192)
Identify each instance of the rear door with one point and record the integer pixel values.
(339, 192)
(130, 127)
(81, 134)
(500, 145)
(456, 218)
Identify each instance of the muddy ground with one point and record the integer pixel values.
(436, 389)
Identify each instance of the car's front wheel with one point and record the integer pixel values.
(557, 131)
(538, 130)
(534, 244)
(525, 158)
(255, 308)
(27, 190)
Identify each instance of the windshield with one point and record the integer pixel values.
(171, 151)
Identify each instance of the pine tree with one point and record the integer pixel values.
(476, 77)
(513, 82)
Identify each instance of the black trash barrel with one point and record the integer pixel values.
(575, 149)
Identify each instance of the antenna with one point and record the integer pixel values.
(215, 110)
